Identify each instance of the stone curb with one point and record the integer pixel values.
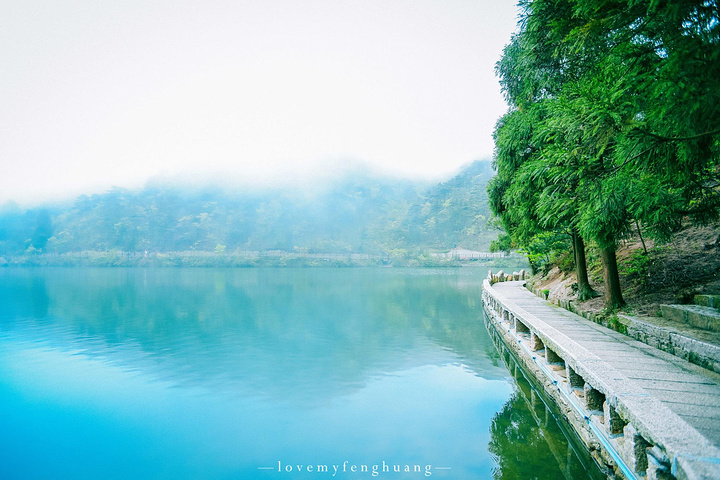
(667, 339)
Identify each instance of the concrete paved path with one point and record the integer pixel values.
(691, 392)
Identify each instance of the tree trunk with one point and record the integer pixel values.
(637, 224)
(613, 294)
(585, 291)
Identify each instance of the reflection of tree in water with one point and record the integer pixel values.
(268, 330)
(447, 313)
(528, 442)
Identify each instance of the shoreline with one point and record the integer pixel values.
(249, 260)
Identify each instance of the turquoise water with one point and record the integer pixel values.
(262, 373)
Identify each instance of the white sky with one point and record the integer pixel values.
(95, 93)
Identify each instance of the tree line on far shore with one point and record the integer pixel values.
(613, 128)
(357, 213)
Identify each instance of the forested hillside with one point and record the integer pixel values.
(454, 213)
(359, 213)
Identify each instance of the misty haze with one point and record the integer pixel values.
(356, 212)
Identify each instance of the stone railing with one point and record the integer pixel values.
(633, 433)
(506, 277)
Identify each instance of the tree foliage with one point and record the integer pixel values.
(356, 213)
(614, 121)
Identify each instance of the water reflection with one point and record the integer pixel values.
(328, 329)
(530, 441)
(212, 373)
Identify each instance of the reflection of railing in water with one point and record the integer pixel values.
(500, 318)
(536, 400)
(546, 416)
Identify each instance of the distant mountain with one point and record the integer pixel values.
(357, 212)
(454, 213)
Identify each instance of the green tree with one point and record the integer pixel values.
(535, 188)
(630, 92)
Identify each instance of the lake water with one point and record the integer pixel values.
(263, 374)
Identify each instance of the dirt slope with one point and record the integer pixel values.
(668, 273)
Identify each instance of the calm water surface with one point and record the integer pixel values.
(258, 373)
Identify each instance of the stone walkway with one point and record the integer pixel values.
(689, 391)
